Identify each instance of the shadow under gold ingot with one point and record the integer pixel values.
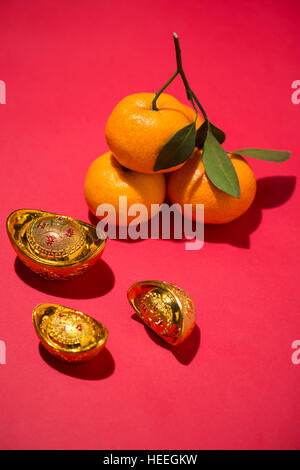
(167, 309)
(67, 334)
(52, 245)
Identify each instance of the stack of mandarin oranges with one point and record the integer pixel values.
(135, 135)
(160, 147)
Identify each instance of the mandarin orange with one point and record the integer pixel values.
(135, 133)
(190, 185)
(107, 180)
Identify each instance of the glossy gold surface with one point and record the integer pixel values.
(167, 309)
(68, 334)
(52, 245)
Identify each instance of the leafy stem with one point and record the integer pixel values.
(154, 106)
(200, 106)
(189, 92)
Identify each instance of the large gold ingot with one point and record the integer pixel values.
(54, 246)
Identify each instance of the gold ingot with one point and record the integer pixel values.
(67, 334)
(167, 309)
(52, 245)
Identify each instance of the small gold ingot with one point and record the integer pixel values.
(67, 334)
(54, 246)
(167, 309)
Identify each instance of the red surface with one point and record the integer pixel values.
(66, 64)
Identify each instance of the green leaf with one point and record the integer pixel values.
(218, 166)
(262, 154)
(202, 133)
(218, 133)
(178, 149)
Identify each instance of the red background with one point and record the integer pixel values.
(232, 384)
